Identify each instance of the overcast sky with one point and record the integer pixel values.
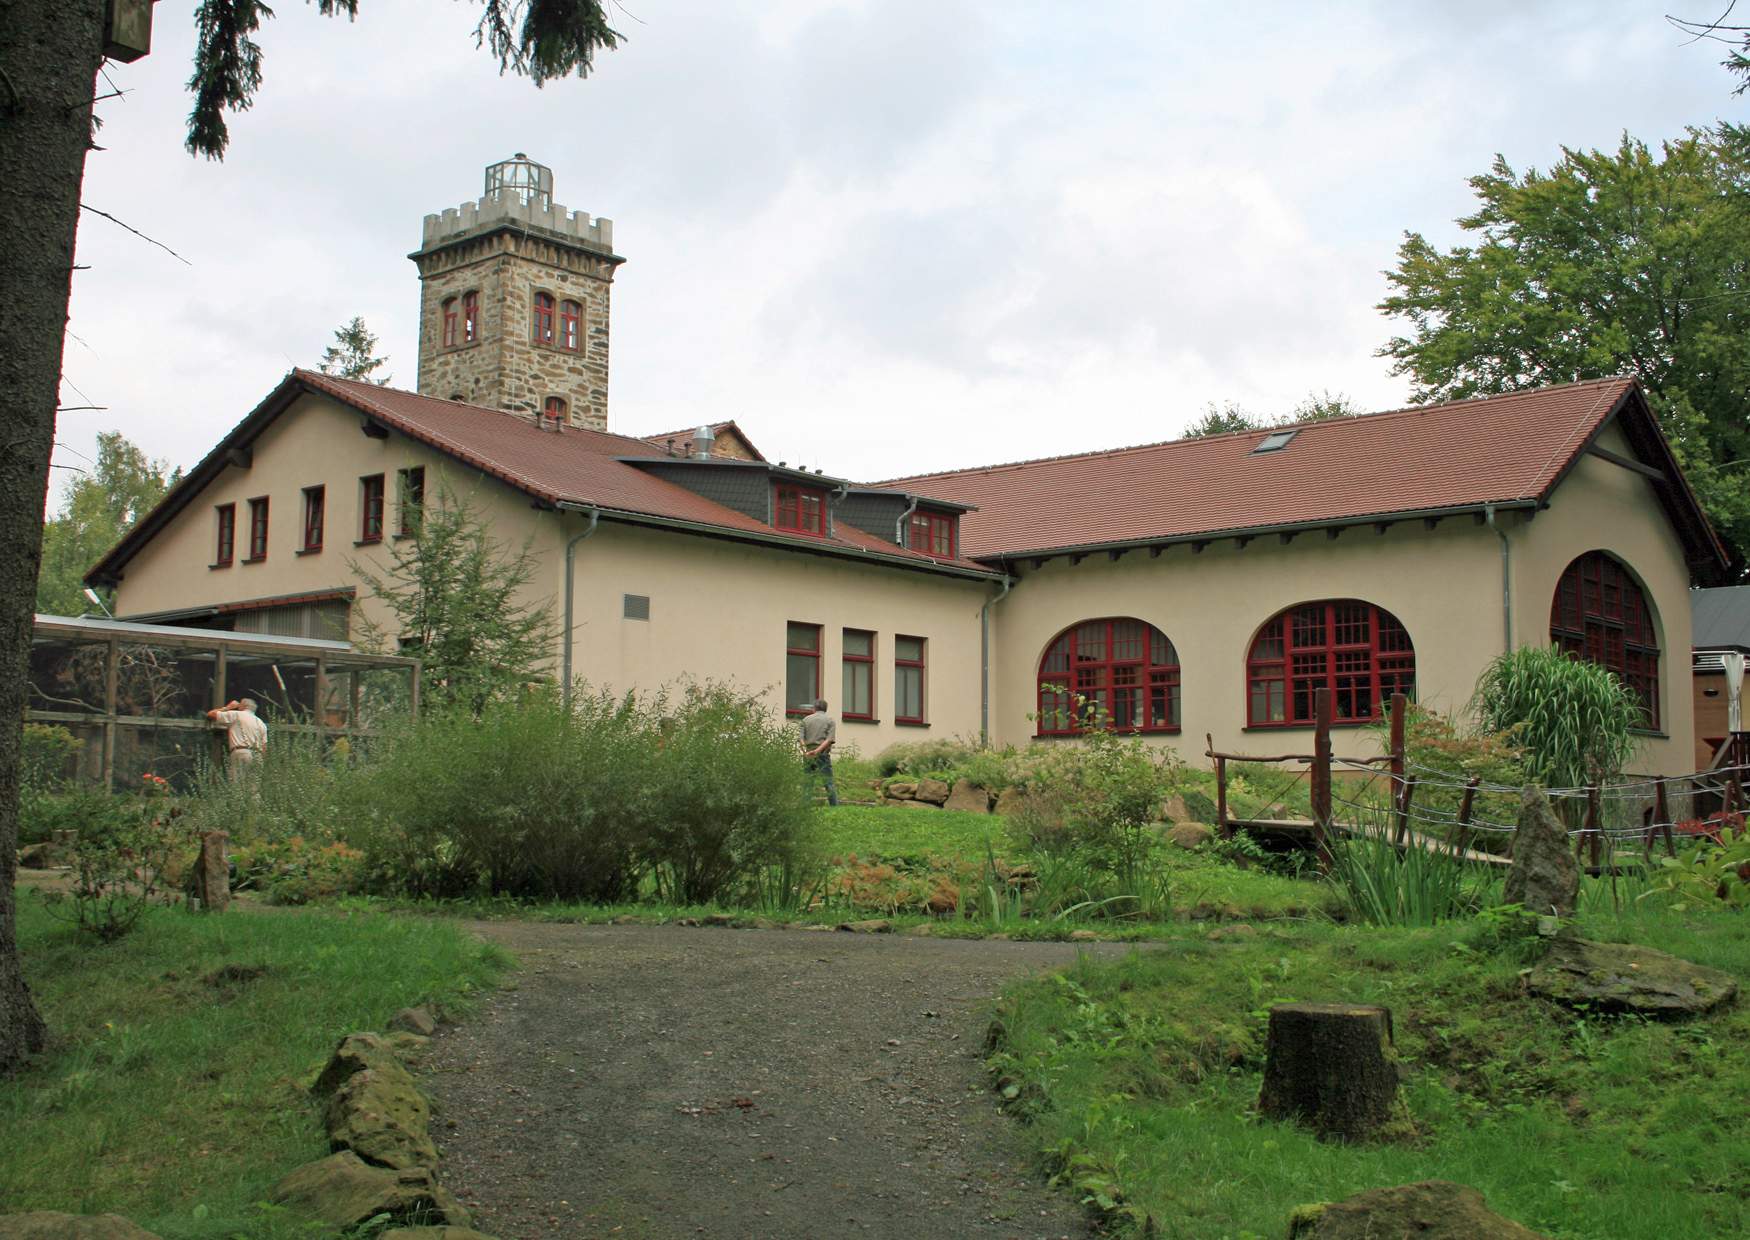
(886, 236)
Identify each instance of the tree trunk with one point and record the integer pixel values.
(49, 57)
(1330, 1066)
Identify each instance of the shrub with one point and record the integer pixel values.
(120, 860)
(45, 757)
(726, 796)
(1573, 719)
(296, 871)
(1440, 755)
(923, 757)
(295, 789)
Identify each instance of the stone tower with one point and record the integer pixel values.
(513, 300)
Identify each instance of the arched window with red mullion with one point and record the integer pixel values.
(1360, 652)
(1124, 672)
(543, 324)
(1601, 614)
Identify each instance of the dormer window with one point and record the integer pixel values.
(799, 509)
(931, 533)
(543, 325)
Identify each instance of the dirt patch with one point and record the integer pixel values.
(661, 1082)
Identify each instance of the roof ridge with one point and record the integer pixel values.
(1402, 411)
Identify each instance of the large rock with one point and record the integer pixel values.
(902, 790)
(934, 791)
(343, 1191)
(356, 1053)
(1174, 809)
(1619, 977)
(1545, 878)
(1009, 801)
(53, 1225)
(1429, 1210)
(1190, 835)
(967, 797)
(380, 1115)
(413, 1020)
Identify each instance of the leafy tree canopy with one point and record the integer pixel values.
(1625, 262)
(1230, 416)
(350, 356)
(98, 509)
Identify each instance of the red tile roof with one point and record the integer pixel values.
(683, 439)
(1497, 449)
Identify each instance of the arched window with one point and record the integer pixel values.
(1356, 650)
(470, 316)
(543, 318)
(449, 322)
(1600, 614)
(1125, 672)
(570, 319)
(554, 409)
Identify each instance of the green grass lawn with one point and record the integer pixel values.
(178, 1102)
(1139, 1078)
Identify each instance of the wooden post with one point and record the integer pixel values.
(1465, 805)
(111, 673)
(1320, 778)
(1221, 798)
(1662, 815)
(1589, 829)
(1403, 813)
(1399, 707)
(322, 704)
(216, 754)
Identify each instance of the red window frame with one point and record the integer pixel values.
(315, 504)
(903, 666)
(371, 508)
(799, 509)
(933, 533)
(859, 675)
(449, 322)
(257, 530)
(1600, 614)
(1360, 652)
(412, 496)
(1123, 669)
(227, 540)
(470, 316)
(799, 656)
(570, 319)
(554, 409)
(543, 318)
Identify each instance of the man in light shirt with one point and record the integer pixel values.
(819, 731)
(245, 735)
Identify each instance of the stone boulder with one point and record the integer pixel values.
(1545, 878)
(1174, 809)
(1189, 835)
(967, 797)
(918, 804)
(53, 1225)
(343, 1191)
(381, 1116)
(934, 791)
(409, 1048)
(902, 790)
(413, 1020)
(1009, 801)
(1429, 1210)
(875, 925)
(1620, 977)
(356, 1053)
(210, 882)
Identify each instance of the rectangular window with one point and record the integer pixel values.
(908, 680)
(412, 498)
(470, 317)
(315, 500)
(801, 510)
(258, 528)
(450, 323)
(371, 506)
(227, 535)
(932, 533)
(635, 606)
(801, 667)
(570, 317)
(859, 687)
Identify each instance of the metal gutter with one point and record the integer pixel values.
(1506, 579)
(984, 659)
(570, 602)
(899, 525)
(807, 546)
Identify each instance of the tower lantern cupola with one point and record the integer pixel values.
(514, 299)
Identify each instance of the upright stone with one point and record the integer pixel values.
(1545, 878)
(212, 873)
(968, 798)
(1330, 1066)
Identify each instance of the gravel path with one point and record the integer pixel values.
(659, 1082)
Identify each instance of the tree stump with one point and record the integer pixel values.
(1330, 1066)
(212, 873)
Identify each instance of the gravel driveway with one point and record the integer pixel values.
(662, 1082)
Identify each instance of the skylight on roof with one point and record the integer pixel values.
(1275, 441)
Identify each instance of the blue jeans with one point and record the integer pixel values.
(813, 768)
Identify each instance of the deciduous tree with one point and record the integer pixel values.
(1630, 261)
(49, 58)
(100, 506)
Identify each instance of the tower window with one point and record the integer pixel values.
(543, 326)
(570, 322)
(449, 322)
(554, 410)
(470, 316)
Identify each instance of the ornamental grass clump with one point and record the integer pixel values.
(1573, 720)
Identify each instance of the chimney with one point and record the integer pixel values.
(702, 441)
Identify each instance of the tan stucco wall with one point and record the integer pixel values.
(720, 609)
(314, 442)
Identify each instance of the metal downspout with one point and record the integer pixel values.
(595, 515)
(899, 526)
(984, 656)
(1506, 579)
